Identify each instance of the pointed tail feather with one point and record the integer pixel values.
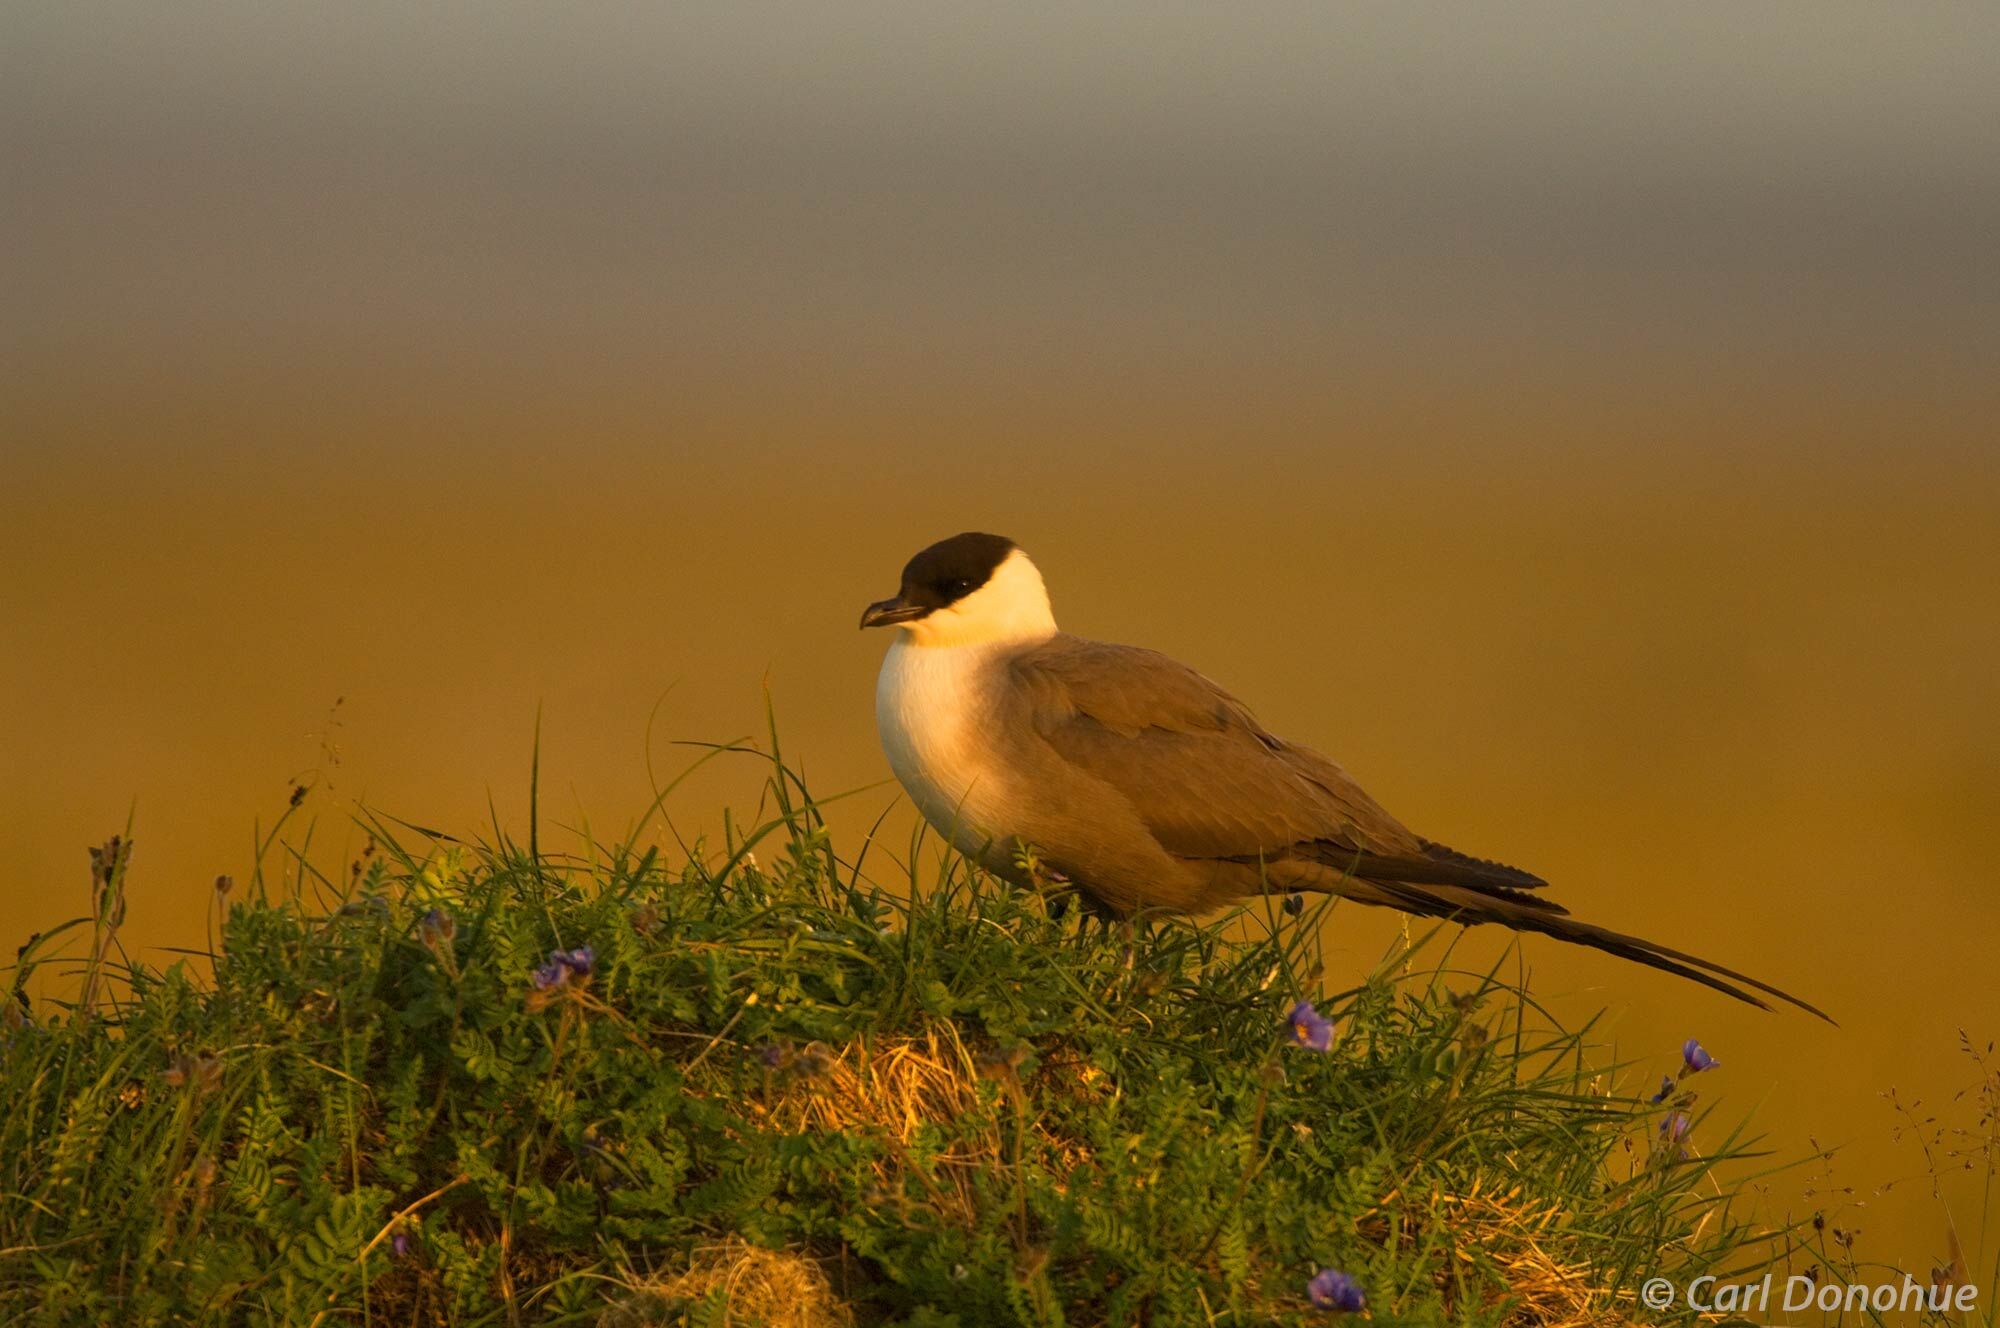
(1437, 865)
(1472, 905)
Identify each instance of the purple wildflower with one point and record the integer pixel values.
(1666, 1090)
(1696, 1059)
(1675, 1127)
(562, 966)
(400, 1243)
(1331, 1289)
(771, 1055)
(1310, 1028)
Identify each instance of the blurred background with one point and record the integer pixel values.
(1581, 422)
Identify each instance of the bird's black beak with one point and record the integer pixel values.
(888, 612)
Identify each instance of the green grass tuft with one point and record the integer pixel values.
(785, 1094)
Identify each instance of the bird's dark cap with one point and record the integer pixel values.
(951, 569)
(941, 575)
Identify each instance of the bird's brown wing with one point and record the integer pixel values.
(1206, 779)
(1208, 782)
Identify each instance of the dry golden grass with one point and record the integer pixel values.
(1544, 1291)
(760, 1289)
(892, 1089)
(895, 1086)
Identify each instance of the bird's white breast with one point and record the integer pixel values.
(934, 709)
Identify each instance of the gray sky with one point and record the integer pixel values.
(669, 184)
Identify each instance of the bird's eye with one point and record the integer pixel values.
(959, 587)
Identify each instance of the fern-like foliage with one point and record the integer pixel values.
(975, 1108)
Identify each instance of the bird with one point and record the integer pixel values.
(1135, 780)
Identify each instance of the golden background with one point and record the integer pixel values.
(1580, 423)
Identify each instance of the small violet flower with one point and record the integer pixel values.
(562, 966)
(1310, 1028)
(1675, 1127)
(400, 1243)
(1334, 1290)
(1666, 1090)
(1696, 1058)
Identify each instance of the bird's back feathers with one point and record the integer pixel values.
(1237, 810)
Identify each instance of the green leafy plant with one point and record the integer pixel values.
(489, 1084)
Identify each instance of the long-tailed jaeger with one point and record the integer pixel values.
(1147, 786)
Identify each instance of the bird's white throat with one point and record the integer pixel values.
(934, 704)
(933, 708)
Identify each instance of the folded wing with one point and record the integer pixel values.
(1208, 782)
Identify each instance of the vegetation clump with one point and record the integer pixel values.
(494, 1085)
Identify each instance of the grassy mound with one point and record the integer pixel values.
(783, 1095)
